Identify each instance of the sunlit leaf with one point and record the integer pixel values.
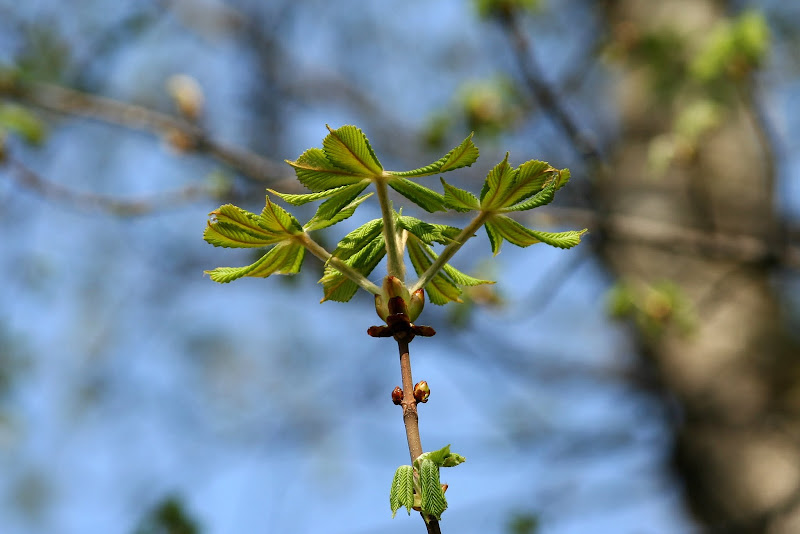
(346, 212)
(459, 199)
(402, 492)
(316, 172)
(519, 235)
(232, 226)
(423, 197)
(496, 181)
(433, 501)
(463, 155)
(428, 232)
(348, 148)
(283, 258)
(338, 287)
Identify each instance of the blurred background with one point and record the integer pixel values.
(645, 382)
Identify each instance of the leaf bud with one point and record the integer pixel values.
(187, 95)
(393, 299)
(422, 391)
(397, 395)
(417, 302)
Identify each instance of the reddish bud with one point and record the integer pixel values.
(422, 391)
(397, 396)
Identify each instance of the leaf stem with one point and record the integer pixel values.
(450, 250)
(394, 258)
(411, 419)
(317, 250)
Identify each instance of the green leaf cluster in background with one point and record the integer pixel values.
(418, 486)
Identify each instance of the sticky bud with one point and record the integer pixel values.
(422, 391)
(415, 305)
(397, 395)
(387, 302)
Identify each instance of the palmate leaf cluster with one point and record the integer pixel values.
(338, 175)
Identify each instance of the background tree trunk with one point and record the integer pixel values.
(735, 375)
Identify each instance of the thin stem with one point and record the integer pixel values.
(317, 250)
(450, 250)
(394, 257)
(411, 418)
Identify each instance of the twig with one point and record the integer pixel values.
(25, 177)
(411, 417)
(70, 102)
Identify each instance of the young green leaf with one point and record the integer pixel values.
(519, 235)
(283, 258)
(496, 182)
(276, 219)
(358, 239)
(423, 197)
(458, 199)
(317, 224)
(440, 289)
(231, 226)
(542, 198)
(402, 492)
(433, 501)
(428, 232)
(348, 148)
(442, 458)
(338, 287)
(315, 171)
(337, 202)
(463, 155)
(298, 200)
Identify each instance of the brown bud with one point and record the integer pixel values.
(397, 396)
(422, 391)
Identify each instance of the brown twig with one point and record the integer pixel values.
(26, 177)
(411, 417)
(70, 102)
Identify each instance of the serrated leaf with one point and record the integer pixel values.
(453, 460)
(358, 238)
(425, 198)
(463, 279)
(276, 219)
(440, 289)
(346, 212)
(530, 178)
(436, 457)
(337, 202)
(463, 155)
(338, 287)
(432, 499)
(459, 199)
(283, 258)
(402, 492)
(519, 235)
(315, 171)
(442, 458)
(348, 148)
(495, 239)
(231, 226)
(542, 198)
(496, 181)
(428, 232)
(298, 200)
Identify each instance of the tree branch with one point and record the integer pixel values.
(70, 102)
